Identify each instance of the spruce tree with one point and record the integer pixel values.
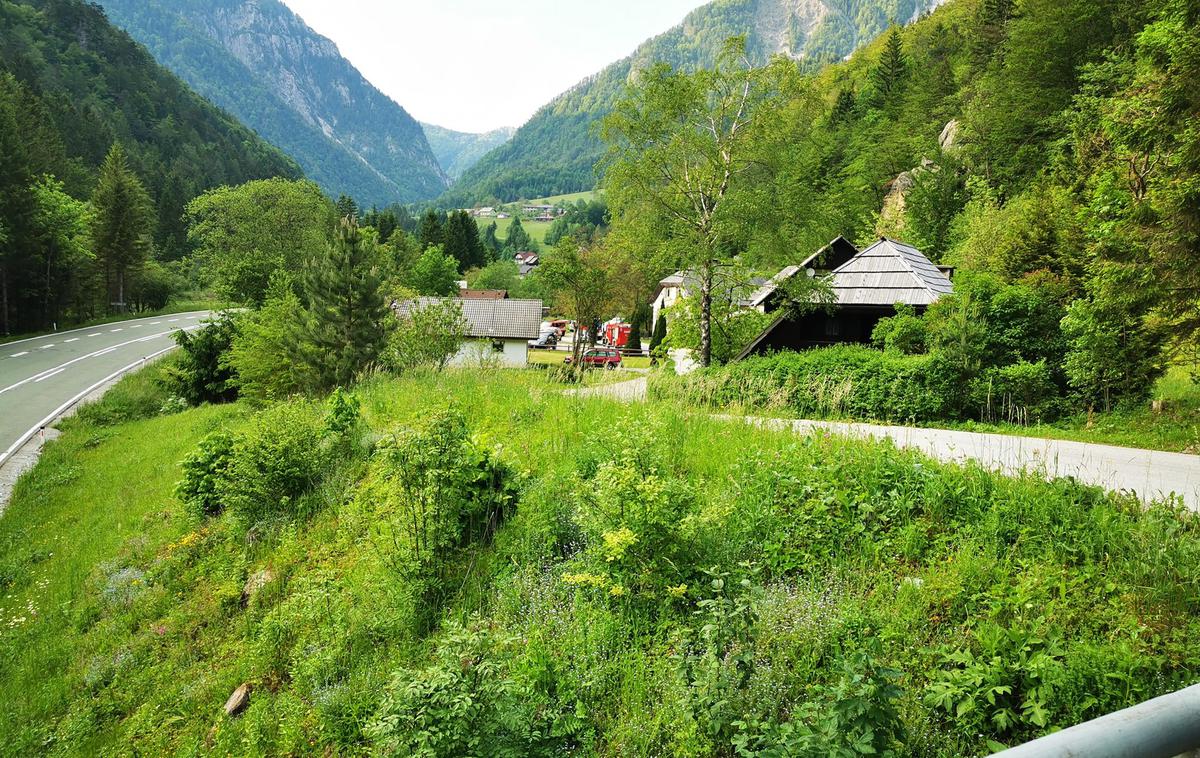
(491, 243)
(888, 74)
(462, 241)
(347, 208)
(343, 330)
(518, 239)
(123, 224)
(432, 230)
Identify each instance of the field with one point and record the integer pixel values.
(582, 577)
(571, 198)
(536, 229)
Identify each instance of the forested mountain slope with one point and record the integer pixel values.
(72, 85)
(262, 63)
(459, 151)
(556, 151)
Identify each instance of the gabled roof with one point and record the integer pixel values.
(766, 290)
(836, 253)
(496, 319)
(887, 273)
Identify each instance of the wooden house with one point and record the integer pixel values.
(866, 287)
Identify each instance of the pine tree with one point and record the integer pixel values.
(123, 224)
(992, 20)
(888, 75)
(343, 331)
(635, 335)
(432, 231)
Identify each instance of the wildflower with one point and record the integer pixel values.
(678, 591)
(617, 591)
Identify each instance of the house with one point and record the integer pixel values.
(467, 294)
(526, 263)
(498, 331)
(866, 288)
(682, 284)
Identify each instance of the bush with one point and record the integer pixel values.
(428, 336)
(201, 374)
(1020, 393)
(205, 475)
(835, 382)
(278, 458)
(904, 333)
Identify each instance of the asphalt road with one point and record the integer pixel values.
(42, 376)
(1151, 474)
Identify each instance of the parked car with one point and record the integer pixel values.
(546, 342)
(600, 357)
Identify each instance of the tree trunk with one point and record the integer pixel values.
(706, 284)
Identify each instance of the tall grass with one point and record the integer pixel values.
(147, 617)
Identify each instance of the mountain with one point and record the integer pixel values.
(75, 84)
(556, 151)
(261, 62)
(459, 151)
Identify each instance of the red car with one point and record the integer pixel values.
(600, 357)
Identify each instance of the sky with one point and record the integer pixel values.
(476, 65)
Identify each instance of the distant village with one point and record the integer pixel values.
(545, 213)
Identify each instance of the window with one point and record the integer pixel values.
(497, 346)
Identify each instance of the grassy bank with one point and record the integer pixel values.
(644, 582)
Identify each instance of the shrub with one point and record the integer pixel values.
(842, 381)
(278, 458)
(466, 702)
(205, 473)
(201, 374)
(903, 333)
(428, 336)
(1019, 393)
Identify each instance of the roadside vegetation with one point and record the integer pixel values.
(471, 563)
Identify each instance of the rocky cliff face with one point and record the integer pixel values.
(555, 152)
(263, 63)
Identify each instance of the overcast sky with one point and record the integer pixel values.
(475, 65)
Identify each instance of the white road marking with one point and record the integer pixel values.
(172, 320)
(47, 347)
(18, 355)
(71, 331)
(136, 326)
(73, 339)
(106, 351)
(97, 334)
(62, 408)
(44, 377)
(155, 323)
(115, 330)
(192, 317)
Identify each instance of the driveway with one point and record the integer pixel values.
(1150, 474)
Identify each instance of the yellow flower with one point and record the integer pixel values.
(617, 591)
(679, 591)
(616, 543)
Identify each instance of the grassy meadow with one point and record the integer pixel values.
(478, 564)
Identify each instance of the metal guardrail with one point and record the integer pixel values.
(1164, 727)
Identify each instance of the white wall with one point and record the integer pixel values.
(476, 353)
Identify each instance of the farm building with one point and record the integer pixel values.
(866, 288)
(498, 331)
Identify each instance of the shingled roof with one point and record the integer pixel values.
(495, 319)
(887, 273)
